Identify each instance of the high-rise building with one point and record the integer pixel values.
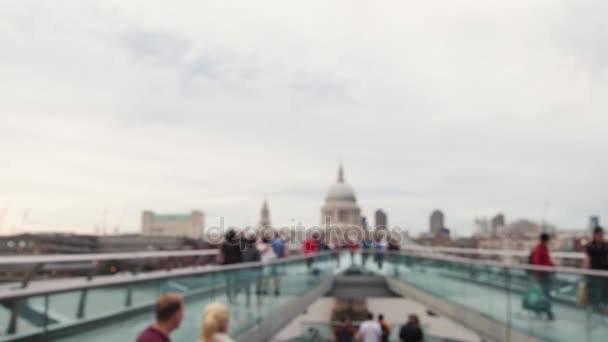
(436, 223)
(189, 225)
(594, 221)
(265, 216)
(381, 220)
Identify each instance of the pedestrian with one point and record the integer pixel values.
(280, 248)
(379, 247)
(230, 249)
(386, 328)
(215, 325)
(596, 258)
(352, 247)
(266, 255)
(411, 330)
(231, 253)
(169, 311)
(310, 247)
(393, 256)
(370, 330)
(345, 332)
(251, 253)
(366, 246)
(393, 245)
(540, 257)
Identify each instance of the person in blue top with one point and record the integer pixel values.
(367, 246)
(279, 247)
(379, 247)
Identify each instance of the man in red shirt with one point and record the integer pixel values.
(540, 254)
(311, 246)
(540, 257)
(169, 314)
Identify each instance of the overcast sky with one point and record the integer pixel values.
(475, 107)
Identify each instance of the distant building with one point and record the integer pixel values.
(188, 225)
(381, 221)
(498, 222)
(340, 214)
(594, 221)
(48, 243)
(436, 223)
(483, 227)
(265, 216)
(364, 222)
(134, 242)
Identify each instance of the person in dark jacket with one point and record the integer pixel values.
(345, 332)
(230, 251)
(596, 258)
(411, 331)
(251, 253)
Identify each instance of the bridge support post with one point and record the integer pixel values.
(129, 297)
(30, 274)
(46, 313)
(12, 322)
(82, 302)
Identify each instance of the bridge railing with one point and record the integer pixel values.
(73, 306)
(550, 303)
(25, 268)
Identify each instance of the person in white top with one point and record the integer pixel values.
(370, 330)
(267, 254)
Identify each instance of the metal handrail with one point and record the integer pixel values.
(482, 262)
(143, 277)
(57, 258)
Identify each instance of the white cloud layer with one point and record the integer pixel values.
(474, 107)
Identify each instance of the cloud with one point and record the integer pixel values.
(161, 48)
(470, 107)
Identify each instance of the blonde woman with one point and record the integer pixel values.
(215, 324)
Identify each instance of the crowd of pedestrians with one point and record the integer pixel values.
(593, 289)
(246, 247)
(378, 330)
(238, 248)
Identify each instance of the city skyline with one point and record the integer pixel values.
(108, 111)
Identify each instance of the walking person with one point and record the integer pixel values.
(370, 330)
(386, 328)
(411, 330)
(231, 253)
(379, 247)
(266, 255)
(393, 249)
(215, 325)
(310, 247)
(251, 253)
(352, 247)
(596, 258)
(540, 257)
(280, 248)
(345, 332)
(169, 310)
(366, 246)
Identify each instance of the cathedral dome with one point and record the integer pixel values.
(340, 191)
